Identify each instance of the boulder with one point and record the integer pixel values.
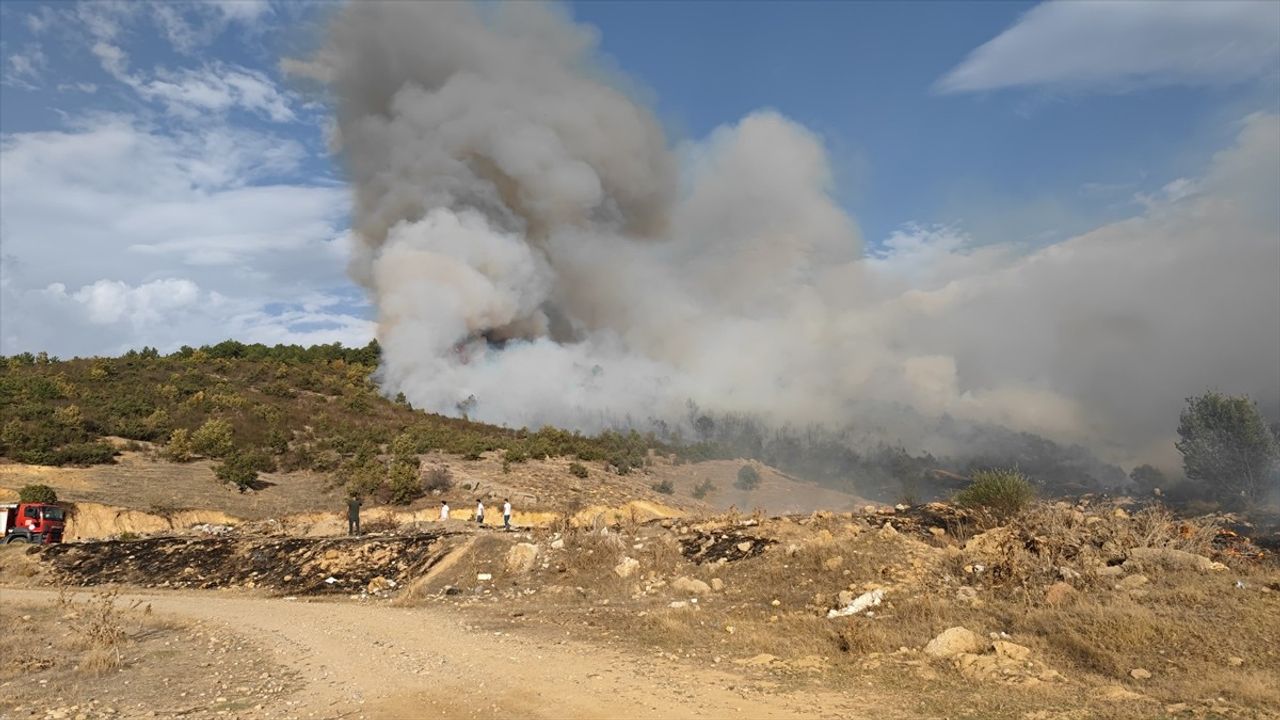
(1059, 593)
(522, 557)
(1011, 651)
(690, 586)
(1170, 559)
(833, 563)
(379, 585)
(954, 641)
(626, 568)
(1140, 674)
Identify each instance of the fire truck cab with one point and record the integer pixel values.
(39, 523)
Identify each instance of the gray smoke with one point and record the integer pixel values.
(539, 253)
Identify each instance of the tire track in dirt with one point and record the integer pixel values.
(380, 661)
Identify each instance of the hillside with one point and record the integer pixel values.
(253, 433)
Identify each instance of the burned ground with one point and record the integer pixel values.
(294, 566)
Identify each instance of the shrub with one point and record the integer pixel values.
(37, 494)
(701, 490)
(241, 467)
(577, 470)
(1001, 492)
(179, 447)
(89, 453)
(665, 487)
(213, 439)
(748, 478)
(438, 479)
(404, 485)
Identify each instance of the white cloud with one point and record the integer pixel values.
(165, 239)
(24, 69)
(192, 94)
(1116, 45)
(113, 59)
(110, 316)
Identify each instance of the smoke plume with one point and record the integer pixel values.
(539, 252)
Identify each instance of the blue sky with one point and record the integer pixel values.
(164, 183)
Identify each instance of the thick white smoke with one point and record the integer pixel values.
(539, 254)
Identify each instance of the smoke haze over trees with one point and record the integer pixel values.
(540, 253)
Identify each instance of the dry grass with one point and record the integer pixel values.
(98, 628)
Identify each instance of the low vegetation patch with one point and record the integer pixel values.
(1003, 493)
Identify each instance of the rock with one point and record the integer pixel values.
(1140, 674)
(844, 598)
(678, 604)
(952, 642)
(626, 568)
(744, 546)
(717, 584)
(1011, 651)
(833, 563)
(557, 544)
(690, 586)
(1170, 559)
(522, 557)
(1235, 661)
(1175, 708)
(1058, 593)
(888, 531)
(379, 585)
(938, 532)
(484, 577)
(966, 593)
(1109, 571)
(1067, 573)
(1132, 582)
(863, 602)
(1120, 513)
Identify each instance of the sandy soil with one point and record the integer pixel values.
(378, 661)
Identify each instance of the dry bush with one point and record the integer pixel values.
(437, 480)
(98, 628)
(381, 524)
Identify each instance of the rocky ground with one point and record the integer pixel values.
(1071, 610)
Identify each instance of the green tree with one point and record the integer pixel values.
(213, 439)
(37, 494)
(241, 467)
(1227, 447)
(748, 478)
(1147, 479)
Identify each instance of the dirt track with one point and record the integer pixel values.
(377, 661)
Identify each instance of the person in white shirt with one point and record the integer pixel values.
(506, 514)
(479, 512)
(444, 509)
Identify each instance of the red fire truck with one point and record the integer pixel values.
(39, 523)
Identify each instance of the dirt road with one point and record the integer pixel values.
(378, 661)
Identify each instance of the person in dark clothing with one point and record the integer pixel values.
(353, 515)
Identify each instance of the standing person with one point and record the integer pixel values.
(444, 509)
(479, 511)
(353, 515)
(506, 514)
